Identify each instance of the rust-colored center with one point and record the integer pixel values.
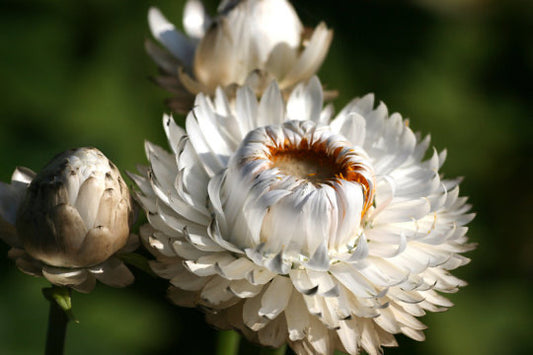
(314, 162)
(313, 166)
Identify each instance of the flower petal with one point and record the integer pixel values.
(174, 41)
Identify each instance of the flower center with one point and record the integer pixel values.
(311, 165)
(309, 154)
(319, 159)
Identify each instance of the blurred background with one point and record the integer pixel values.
(74, 73)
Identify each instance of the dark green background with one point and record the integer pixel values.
(74, 73)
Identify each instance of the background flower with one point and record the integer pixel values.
(252, 41)
(463, 77)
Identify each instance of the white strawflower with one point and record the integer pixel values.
(250, 41)
(67, 222)
(292, 227)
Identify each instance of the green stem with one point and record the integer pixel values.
(228, 343)
(269, 351)
(58, 318)
(57, 329)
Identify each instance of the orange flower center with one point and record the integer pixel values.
(317, 163)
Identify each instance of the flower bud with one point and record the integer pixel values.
(76, 212)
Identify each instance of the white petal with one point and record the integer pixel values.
(348, 333)
(254, 211)
(320, 260)
(246, 110)
(206, 265)
(302, 283)
(387, 321)
(260, 276)
(326, 286)
(215, 234)
(275, 333)
(165, 32)
(195, 19)
(174, 132)
(361, 250)
(63, 276)
(88, 200)
(210, 159)
(23, 175)
(380, 272)
(186, 251)
(188, 281)
(350, 202)
(167, 267)
(352, 126)
(281, 60)
(369, 338)
(413, 334)
(201, 241)
(352, 280)
(114, 273)
(216, 291)
(237, 269)
(276, 297)
(208, 123)
(244, 289)
(312, 56)
(305, 102)
(297, 317)
(325, 115)
(271, 107)
(157, 223)
(403, 211)
(319, 338)
(25, 262)
(363, 105)
(317, 220)
(250, 313)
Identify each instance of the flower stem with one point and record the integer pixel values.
(58, 318)
(57, 329)
(228, 343)
(269, 351)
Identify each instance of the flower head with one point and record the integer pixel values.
(68, 221)
(295, 227)
(250, 41)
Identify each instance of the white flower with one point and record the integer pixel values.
(67, 222)
(292, 227)
(250, 41)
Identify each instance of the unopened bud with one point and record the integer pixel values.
(76, 212)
